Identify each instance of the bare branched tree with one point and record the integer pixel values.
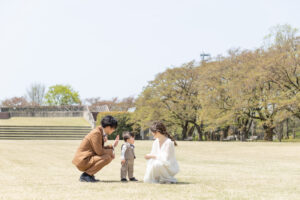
(36, 93)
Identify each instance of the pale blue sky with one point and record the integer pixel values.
(113, 48)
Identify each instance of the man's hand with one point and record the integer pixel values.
(105, 138)
(113, 156)
(123, 162)
(116, 141)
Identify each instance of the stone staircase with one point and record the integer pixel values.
(43, 132)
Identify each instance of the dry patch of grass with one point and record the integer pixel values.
(209, 170)
(44, 121)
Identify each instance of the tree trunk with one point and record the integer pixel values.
(184, 130)
(218, 136)
(191, 131)
(226, 129)
(294, 131)
(212, 135)
(243, 129)
(205, 136)
(280, 132)
(287, 129)
(221, 135)
(235, 132)
(269, 130)
(254, 128)
(243, 133)
(248, 129)
(199, 130)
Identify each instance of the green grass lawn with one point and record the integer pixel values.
(208, 170)
(44, 121)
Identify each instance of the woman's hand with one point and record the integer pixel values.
(149, 156)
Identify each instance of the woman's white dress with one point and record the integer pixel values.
(165, 166)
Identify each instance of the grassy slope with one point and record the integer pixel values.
(209, 170)
(44, 121)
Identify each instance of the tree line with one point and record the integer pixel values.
(64, 95)
(230, 93)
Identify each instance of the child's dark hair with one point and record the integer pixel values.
(109, 121)
(127, 135)
(160, 127)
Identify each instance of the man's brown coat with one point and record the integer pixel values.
(92, 145)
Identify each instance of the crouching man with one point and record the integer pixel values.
(92, 155)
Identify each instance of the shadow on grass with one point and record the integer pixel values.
(115, 181)
(183, 183)
(109, 181)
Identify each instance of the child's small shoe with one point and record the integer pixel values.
(133, 179)
(123, 180)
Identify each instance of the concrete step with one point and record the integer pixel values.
(41, 138)
(36, 134)
(43, 132)
(45, 127)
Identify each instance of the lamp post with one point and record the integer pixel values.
(203, 55)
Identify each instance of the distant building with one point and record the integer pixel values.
(103, 108)
(95, 110)
(131, 109)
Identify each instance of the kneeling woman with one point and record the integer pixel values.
(162, 165)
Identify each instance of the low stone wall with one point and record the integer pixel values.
(47, 114)
(4, 115)
(44, 109)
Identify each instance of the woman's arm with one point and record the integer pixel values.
(152, 155)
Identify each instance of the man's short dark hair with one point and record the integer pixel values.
(109, 121)
(127, 134)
